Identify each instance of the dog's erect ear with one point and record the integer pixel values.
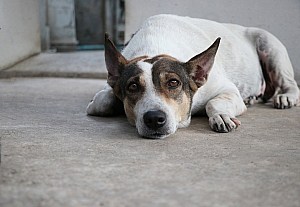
(199, 66)
(114, 60)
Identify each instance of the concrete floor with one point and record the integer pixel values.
(52, 154)
(85, 64)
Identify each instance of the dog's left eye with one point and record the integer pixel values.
(173, 83)
(132, 87)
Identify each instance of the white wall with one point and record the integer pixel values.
(280, 17)
(19, 34)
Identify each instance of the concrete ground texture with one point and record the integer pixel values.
(53, 154)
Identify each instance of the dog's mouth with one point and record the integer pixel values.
(156, 135)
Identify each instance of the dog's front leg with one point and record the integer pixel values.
(104, 103)
(223, 109)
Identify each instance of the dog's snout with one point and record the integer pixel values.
(155, 119)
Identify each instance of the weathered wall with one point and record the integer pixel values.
(61, 17)
(282, 18)
(19, 34)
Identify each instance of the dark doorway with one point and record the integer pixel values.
(90, 23)
(94, 18)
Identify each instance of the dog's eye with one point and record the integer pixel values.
(132, 87)
(173, 83)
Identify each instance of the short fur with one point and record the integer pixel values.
(162, 77)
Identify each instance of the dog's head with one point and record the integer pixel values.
(157, 92)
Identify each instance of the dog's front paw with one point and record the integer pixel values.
(223, 123)
(102, 104)
(251, 100)
(284, 101)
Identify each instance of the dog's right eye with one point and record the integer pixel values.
(133, 87)
(173, 83)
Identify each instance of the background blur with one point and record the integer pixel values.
(33, 26)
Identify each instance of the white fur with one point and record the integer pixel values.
(235, 76)
(102, 103)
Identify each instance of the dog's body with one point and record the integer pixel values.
(162, 80)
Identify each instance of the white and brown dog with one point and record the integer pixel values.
(161, 79)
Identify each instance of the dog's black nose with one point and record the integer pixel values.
(155, 119)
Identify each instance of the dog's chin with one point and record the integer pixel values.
(155, 135)
(160, 133)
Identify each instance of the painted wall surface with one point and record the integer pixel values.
(282, 18)
(19, 33)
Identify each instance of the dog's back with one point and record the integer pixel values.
(183, 37)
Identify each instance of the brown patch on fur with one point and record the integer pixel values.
(132, 98)
(181, 106)
(158, 57)
(135, 60)
(129, 110)
(178, 98)
(146, 58)
(184, 107)
(117, 90)
(164, 77)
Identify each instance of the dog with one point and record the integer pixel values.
(175, 67)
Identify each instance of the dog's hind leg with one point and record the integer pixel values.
(277, 70)
(105, 103)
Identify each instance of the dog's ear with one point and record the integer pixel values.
(114, 60)
(199, 66)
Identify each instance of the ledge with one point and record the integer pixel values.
(87, 64)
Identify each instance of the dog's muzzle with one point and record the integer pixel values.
(155, 119)
(155, 124)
